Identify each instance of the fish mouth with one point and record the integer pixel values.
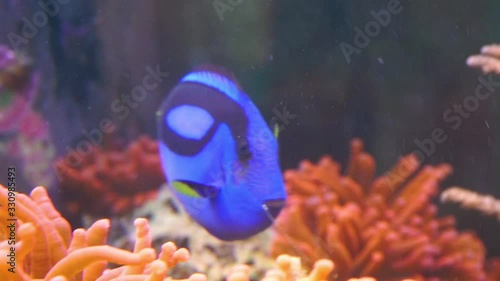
(194, 189)
(273, 207)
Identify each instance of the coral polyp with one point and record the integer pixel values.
(123, 179)
(384, 227)
(46, 249)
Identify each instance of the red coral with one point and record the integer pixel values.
(34, 126)
(385, 227)
(111, 182)
(493, 268)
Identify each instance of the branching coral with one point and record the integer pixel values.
(213, 257)
(25, 134)
(485, 204)
(488, 60)
(288, 269)
(46, 250)
(122, 179)
(384, 227)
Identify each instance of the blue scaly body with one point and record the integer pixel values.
(219, 156)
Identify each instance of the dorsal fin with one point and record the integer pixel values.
(218, 70)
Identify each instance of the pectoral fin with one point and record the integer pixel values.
(194, 189)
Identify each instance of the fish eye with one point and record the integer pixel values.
(243, 149)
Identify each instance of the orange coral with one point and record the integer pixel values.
(290, 268)
(384, 227)
(45, 248)
(111, 182)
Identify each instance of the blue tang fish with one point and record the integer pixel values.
(219, 155)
